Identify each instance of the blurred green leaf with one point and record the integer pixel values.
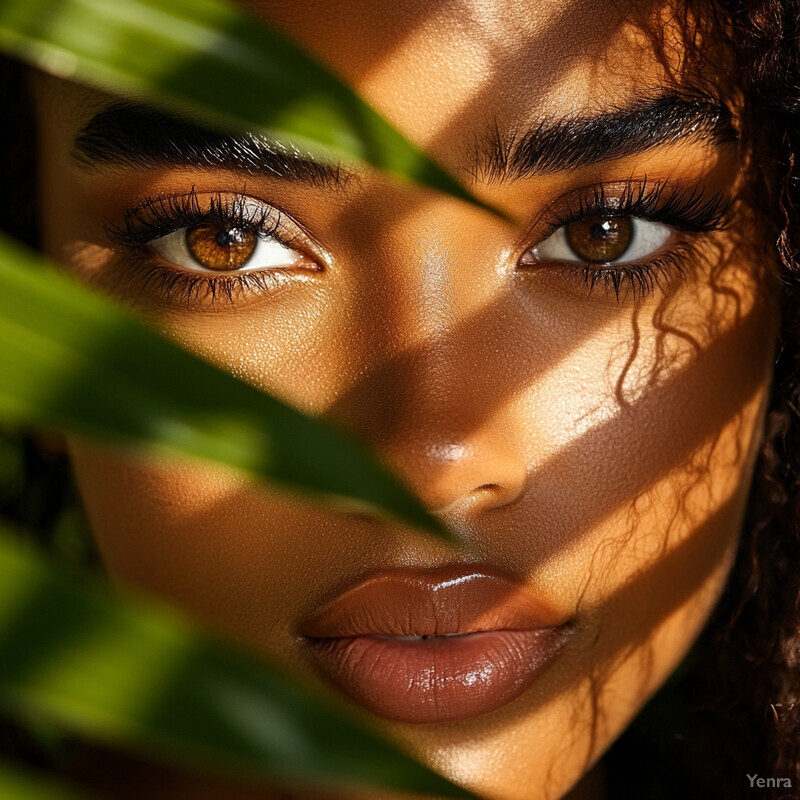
(135, 673)
(71, 542)
(208, 57)
(10, 459)
(122, 671)
(75, 361)
(18, 785)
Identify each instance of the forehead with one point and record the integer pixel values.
(446, 71)
(466, 79)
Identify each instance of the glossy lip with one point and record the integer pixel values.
(435, 645)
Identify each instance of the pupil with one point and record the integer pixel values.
(229, 236)
(604, 230)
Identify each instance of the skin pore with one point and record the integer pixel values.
(588, 432)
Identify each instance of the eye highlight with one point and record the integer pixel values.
(603, 240)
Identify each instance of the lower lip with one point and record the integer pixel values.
(438, 678)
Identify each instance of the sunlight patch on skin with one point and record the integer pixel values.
(424, 118)
(664, 514)
(434, 56)
(579, 410)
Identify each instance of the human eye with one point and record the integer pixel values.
(195, 247)
(636, 239)
(604, 240)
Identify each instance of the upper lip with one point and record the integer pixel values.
(435, 602)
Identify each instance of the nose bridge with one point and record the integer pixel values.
(430, 402)
(425, 401)
(420, 376)
(424, 283)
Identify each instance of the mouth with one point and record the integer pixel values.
(437, 645)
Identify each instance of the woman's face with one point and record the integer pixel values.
(575, 390)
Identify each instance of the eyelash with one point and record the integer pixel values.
(671, 204)
(159, 216)
(683, 209)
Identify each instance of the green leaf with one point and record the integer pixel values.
(209, 58)
(10, 460)
(77, 362)
(18, 785)
(135, 673)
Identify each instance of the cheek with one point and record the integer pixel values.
(244, 560)
(658, 468)
(651, 444)
(632, 517)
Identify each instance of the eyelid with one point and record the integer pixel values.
(163, 214)
(685, 206)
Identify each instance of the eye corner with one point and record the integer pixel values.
(530, 258)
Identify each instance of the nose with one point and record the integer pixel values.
(440, 436)
(443, 427)
(457, 471)
(431, 403)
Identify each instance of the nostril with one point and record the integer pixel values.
(495, 494)
(482, 497)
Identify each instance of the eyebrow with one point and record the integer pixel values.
(581, 141)
(135, 135)
(142, 136)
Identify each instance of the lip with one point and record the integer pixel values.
(437, 645)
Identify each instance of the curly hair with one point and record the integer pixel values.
(741, 684)
(758, 677)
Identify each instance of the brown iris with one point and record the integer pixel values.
(221, 247)
(597, 240)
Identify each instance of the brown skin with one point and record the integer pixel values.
(598, 450)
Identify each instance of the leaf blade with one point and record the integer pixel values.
(16, 784)
(209, 58)
(74, 361)
(137, 674)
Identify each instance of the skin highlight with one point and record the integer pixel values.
(596, 448)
